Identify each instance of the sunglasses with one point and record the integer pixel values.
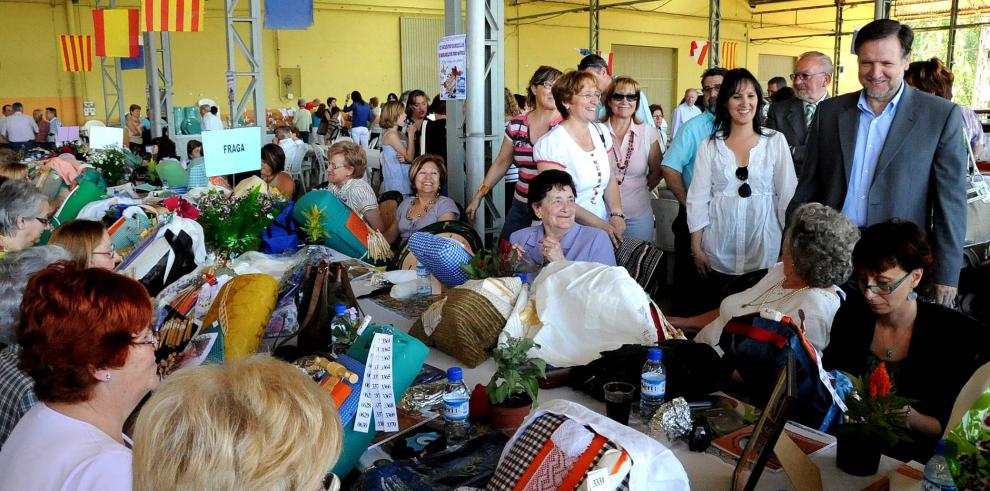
(629, 97)
(742, 173)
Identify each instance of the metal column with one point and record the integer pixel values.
(714, 21)
(485, 103)
(594, 27)
(837, 53)
(881, 9)
(254, 55)
(158, 71)
(455, 114)
(113, 82)
(950, 57)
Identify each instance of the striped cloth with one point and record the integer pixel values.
(523, 451)
(197, 173)
(517, 132)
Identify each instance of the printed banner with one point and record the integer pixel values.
(452, 57)
(136, 63)
(77, 53)
(288, 14)
(232, 151)
(172, 15)
(728, 59)
(117, 32)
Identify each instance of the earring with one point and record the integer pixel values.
(912, 296)
(107, 378)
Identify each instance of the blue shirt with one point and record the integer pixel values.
(680, 155)
(361, 116)
(870, 137)
(580, 243)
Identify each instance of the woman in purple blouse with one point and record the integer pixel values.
(551, 199)
(426, 206)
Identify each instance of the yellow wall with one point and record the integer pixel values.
(357, 45)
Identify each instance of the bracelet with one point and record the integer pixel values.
(620, 215)
(484, 189)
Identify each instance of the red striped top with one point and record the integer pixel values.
(517, 131)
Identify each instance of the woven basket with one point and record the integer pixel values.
(468, 329)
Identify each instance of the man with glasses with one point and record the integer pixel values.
(678, 168)
(812, 76)
(889, 151)
(597, 66)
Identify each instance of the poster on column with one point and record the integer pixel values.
(232, 151)
(452, 56)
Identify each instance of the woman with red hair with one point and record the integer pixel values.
(87, 344)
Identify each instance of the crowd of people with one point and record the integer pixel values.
(847, 212)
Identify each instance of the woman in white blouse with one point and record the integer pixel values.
(743, 181)
(581, 147)
(635, 156)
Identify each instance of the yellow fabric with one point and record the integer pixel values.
(244, 306)
(246, 186)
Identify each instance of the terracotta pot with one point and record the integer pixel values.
(509, 415)
(856, 453)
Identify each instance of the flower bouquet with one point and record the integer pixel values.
(967, 446)
(875, 420)
(501, 262)
(110, 162)
(233, 226)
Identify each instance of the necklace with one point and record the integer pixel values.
(890, 348)
(426, 208)
(623, 165)
(764, 298)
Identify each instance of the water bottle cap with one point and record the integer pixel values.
(654, 354)
(940, 447)
(524, 277)
(340, 309)
(455, 374)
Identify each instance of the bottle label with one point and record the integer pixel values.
(456, 410)
(934, 486)
(651, 387)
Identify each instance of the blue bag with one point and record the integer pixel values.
(281, 235)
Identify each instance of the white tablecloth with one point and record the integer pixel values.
(705, 471)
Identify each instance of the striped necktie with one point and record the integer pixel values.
(809, 114)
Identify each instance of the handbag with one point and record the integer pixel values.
(977, 203)
(282, 235)
(324, 285)
(641, 258)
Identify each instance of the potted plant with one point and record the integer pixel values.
(875, 421)
(515, 383)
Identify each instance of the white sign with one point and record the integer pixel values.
(377, 395)
(452, 57)
(101, 137)
(232, 151)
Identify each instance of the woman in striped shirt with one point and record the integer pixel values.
(517, 148)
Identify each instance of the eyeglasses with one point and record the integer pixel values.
(591, 95)
(629, 97)
(742, 173)
(805, 76)
(711, 88)
(883, 289)
(47, 221)
(337, 167)
(548, 84)
(153, 342)
(111, 253)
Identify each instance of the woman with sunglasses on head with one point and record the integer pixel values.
(521, 133)
(582, 147)
(86, 341)
(929, 351)
(88, 243)
(635, 158)
(743, 181)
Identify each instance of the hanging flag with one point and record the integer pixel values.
(172, 15)
(699, 50)
(136, 63)
(117, 32)
(728, 60)
(288, 14)
(77, 53)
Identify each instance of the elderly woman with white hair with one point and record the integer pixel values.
(24, 215)
(16, 388)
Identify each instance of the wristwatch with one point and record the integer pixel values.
(617, 214)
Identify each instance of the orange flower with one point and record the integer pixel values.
(879, 382)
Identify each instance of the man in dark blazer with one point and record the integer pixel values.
(890, 151)
(812, 76)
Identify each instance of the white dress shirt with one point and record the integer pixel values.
(21, 128)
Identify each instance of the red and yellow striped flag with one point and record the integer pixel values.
(117, 32)
(172, 15)
(77, 53)
(728, 60)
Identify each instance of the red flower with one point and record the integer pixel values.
(879, 382)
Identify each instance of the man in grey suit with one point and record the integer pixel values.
(812, 76)
(890, 151)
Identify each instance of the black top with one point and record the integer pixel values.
(436, 138)
(946, 348)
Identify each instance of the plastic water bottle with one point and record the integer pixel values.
(337, 324)
(456, 400)
(937, 476)
(423, 287)
(653, 384)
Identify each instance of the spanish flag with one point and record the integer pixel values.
(77, 53)
(172, 15)
(117, 32)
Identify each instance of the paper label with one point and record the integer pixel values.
(598, 480)
(377, 391)
(653, 386)
(456, 410)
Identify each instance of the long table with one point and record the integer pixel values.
(705, 471)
